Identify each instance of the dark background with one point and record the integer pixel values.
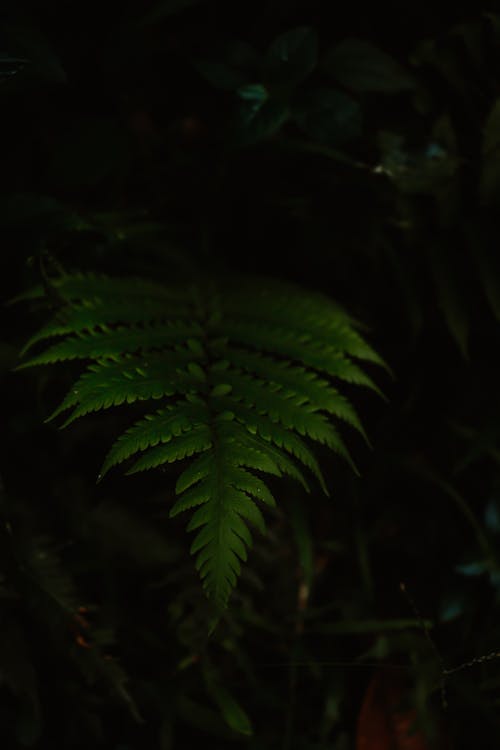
(163, 138)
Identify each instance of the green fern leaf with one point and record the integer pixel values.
(258, 424)
(108, 384)
(155, 428)
(81, 318)
(319, 393)
(194, 441)
(247, 374)
(111, 343)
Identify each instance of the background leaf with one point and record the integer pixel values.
(291, 57)
(360, 66)
(329, 116)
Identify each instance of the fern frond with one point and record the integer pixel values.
(196, 440)
(248, 375)
(319, 393)
(281, 405)
(325, 358)
(80, 318)
(256, 423)
(156, 428)
(87, 286)
(104, 342)
(111, 384)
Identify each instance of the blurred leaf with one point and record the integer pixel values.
(291, 57)
(204, 719)
(255, 95)
(331, 715)
(383, 722)
(443, 58)
(260, 121)
(97, 667)
(219, 75)
(31, 44)
(166, 8)
(492, 516)
(451, 608)
(361, 66)
(490, 169)
(329, 116)
(118, 680)
(9, 66)
(234, 715)
(429, 171)
(473, 569)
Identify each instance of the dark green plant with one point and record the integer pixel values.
(244, 372)
(356, 155)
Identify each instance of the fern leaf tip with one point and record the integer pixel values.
(21, 366)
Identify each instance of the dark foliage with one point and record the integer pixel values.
(354, 152)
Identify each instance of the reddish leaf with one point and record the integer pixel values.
(382, 723)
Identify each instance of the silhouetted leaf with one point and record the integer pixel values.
(166, 8)
(219, 75)
(233, 714)
(260, 119)
(361, 66)
(203, 718)
(291, 57)
(329, 116)
(490, 169)
(32, 45)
